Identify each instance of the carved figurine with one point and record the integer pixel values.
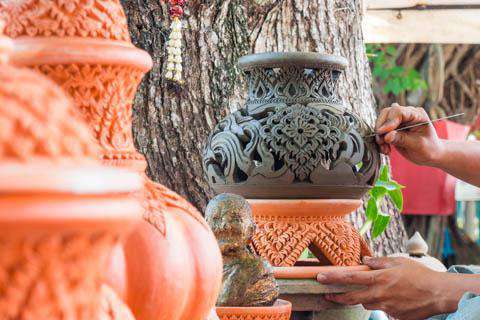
(248, 279)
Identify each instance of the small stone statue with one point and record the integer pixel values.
(248, 279)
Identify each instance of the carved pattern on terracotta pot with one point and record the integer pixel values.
(255, 317)
(73, 18)
(36, 127)
(293, 139)
(33, 286)
(279, 311)
(282, 240)
(104, 95)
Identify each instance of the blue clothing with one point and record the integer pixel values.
(469, 305)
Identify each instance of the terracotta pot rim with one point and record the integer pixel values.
(303, 207)
(308, 60)
(311, 272)
(58, 50)
(74, 179)
(280, 307)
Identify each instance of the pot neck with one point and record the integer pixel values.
(293, 85)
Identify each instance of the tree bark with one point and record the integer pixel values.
(171, 123)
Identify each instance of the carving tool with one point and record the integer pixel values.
(421, 124)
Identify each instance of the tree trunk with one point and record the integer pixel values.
(171, 124)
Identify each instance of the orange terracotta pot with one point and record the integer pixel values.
(56, 235)
(85, 47)
(285, 228)
(281, 310)
(60, 211)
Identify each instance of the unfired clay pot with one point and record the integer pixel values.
(279, 311)
(61, 213)
(294, 138)
(170, 267)
(285, 228)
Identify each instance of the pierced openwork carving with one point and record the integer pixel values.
(282, 240)
(291, 84)
(293, 136)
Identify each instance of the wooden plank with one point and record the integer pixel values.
(395, 4)
(422, 26)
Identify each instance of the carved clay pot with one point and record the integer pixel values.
(85, 47)
(60, 211)
(285, 228)
(294, 138)
(279, 311)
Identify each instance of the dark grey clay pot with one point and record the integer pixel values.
(294, 138)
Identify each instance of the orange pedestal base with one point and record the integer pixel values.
(285, 228)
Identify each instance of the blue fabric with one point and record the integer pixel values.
(469, 305)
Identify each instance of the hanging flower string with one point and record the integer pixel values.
(174, 44)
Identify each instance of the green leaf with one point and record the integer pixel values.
(384, 173)
(397, 198)
(380, 224)
(391, 50)
(377, 192)
(372, 209)
(396, 86)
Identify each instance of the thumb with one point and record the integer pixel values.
(379, 263)
(399, 139)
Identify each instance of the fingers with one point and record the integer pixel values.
(381, 263)
(365, 278)
(391, 118)
(399, 139)
(352, 298)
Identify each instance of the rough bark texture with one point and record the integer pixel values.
(171, 124)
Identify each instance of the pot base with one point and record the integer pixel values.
(279, 311)
(285, 228)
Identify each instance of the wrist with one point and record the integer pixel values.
(438, 154)
(448, 293)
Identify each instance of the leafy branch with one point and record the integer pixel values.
(384, 187)
(391, 77)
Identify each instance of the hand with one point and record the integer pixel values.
(420, 145)
(403, 288)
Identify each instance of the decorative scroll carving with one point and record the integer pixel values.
(281, 240)
(293, 136)
(60, 18)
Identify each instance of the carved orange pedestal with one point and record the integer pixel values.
(170, 267)
(285, 228)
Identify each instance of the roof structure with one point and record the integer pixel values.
(422, 21)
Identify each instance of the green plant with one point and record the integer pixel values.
(385, 186)
(391, 77)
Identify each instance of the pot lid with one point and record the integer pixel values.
(308, 60)
(86, 179)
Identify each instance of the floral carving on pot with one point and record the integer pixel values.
(65, 18)
(294, 138)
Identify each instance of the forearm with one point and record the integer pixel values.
(451, 289)
(461, 159)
